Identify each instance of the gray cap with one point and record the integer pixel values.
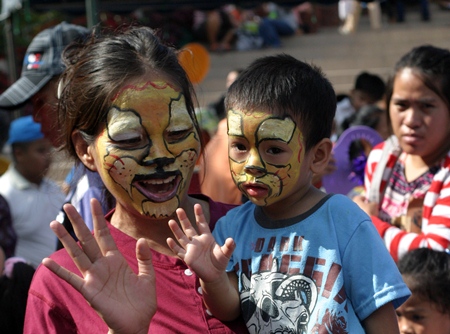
(41, 63)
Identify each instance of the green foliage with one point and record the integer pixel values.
(25, 24)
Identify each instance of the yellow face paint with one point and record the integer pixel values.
(148, 148)
(266, 155)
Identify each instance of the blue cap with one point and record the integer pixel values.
(24, 130)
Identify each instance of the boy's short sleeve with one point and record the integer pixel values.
(375, 270)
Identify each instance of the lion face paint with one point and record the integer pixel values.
(266, 154)
(148, 148)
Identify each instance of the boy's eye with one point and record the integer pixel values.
(275, 150)
(239, 147)
(417, 317)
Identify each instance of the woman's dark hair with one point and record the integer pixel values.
(98, 68)
(284, 85)
(432, 65)
(427, 274)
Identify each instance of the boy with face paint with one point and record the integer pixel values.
(294, 259)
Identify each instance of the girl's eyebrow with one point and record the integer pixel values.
(421, 99)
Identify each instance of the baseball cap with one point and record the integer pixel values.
(24, 130)
(41, 63)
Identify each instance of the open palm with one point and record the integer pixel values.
(124, 300)
(199, 250)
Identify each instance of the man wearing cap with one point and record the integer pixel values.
(34, 200)
(41, 69)
(38, 84)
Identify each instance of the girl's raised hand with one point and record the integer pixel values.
(124, 300)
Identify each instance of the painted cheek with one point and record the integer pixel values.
(185, 162)
(237, 172)
(122, 172)
(191, 142)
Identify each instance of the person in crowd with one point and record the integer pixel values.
(136, 127)
(369, 88)
(215, 177)
(407, 176)
(270, 261)
(400, 10)
(276, 22)
(216, 27)
(218, 107)
(370, 115)
(15, 280)
(8, 237)
(4, 127)
(351, 20)
(427, 274)
(375, 118)
(37, 84)
(33, 199)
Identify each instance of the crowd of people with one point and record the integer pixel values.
(255, 25)
(265, 247)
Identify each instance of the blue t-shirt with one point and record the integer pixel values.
(323, 271)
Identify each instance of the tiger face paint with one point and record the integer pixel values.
(148, 148)
(266, 155)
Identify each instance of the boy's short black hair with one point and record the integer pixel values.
(371, 84)
(427, 274)
(283, 85)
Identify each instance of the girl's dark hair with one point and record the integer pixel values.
(284, 85)
(98, 68)
(427, 274)
(432, 65)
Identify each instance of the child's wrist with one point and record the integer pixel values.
(217, 283)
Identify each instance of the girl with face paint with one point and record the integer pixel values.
(291, 259)
(126, 110)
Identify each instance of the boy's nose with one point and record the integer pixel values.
(404, 326)
(254, 159)
(254, 170)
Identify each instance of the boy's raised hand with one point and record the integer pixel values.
(200, 251)
(124, 300)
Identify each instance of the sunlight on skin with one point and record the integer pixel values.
(262, 159)
(148, 148)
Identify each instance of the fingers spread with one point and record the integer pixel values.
(101, 231)
(84, 235)
(144, 257)
(186, 225)
(71, 278)
(202, 224)
(80, 259)
(176, 249)
(179, 234)
(229, 247)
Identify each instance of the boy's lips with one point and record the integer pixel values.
(158, 189)
(256, 189)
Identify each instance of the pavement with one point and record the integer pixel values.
(341, 57)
